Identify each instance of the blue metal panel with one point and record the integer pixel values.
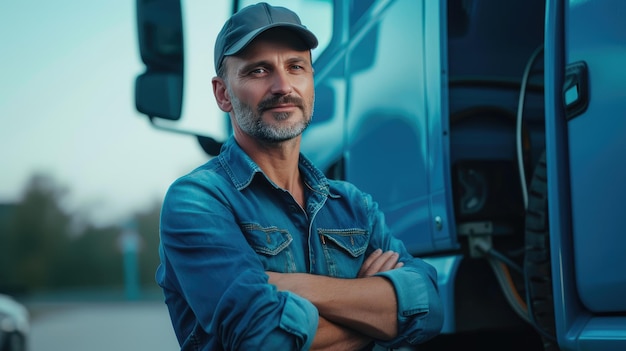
(596, 34)
(578, 218)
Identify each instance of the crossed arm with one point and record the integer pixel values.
(352, 311)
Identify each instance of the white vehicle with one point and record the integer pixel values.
(14, 325)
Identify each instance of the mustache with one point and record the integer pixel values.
(280, 99)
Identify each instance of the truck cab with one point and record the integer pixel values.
(488, 131)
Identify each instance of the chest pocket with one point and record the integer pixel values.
(272, 245)
(343, 250)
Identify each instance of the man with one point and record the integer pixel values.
(259, 250)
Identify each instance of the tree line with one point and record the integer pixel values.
(43, 249)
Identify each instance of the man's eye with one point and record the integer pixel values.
(258, 71)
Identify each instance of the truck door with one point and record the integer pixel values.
(396, 147)
(585, 126)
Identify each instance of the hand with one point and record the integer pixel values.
(379, 261)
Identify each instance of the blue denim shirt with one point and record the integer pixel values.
(224, 224)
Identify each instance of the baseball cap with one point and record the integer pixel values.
(248, 23)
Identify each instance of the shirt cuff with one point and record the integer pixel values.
(420, 311)
(300, 318)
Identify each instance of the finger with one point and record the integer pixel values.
(389, 263)
(381, 263)
(368, 262)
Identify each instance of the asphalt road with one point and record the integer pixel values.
(132, 326)
(121, 326)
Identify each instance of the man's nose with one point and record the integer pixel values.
(281, 83)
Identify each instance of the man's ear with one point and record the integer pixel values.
(221, 94)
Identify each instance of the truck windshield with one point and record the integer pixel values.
(317, 15)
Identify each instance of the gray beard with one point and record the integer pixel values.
(251, 122)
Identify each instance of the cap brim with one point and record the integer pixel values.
(306, 35)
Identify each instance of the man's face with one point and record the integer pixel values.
(270, 86)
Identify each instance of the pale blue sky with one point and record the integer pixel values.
(67, 100)
(67, 107)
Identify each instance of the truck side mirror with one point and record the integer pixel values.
(159, 90)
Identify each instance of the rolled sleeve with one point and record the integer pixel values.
(420, 311)
(285, 321)
(300, 318)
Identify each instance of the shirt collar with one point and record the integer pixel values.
(241, 169)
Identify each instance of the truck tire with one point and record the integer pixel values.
(537, 264)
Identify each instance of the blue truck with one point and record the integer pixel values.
(489, 131)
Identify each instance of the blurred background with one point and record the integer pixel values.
(82, 176)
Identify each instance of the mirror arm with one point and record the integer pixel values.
(209, 145)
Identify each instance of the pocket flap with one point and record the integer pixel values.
(354, 240)
(266, 240)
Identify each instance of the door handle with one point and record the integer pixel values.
(575, 89)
